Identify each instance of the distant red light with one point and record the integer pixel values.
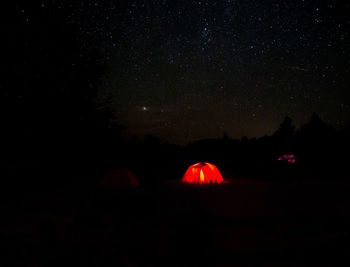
(202, 173)
(288, 158)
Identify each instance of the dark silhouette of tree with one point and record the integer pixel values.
(315, 129)
(244, 139)
(226, 137)
(317, 147)
(151, 140)
(49, 110)
(286, 129)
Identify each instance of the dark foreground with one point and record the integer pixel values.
(235, 224)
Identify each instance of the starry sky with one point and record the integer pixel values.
(188, 70)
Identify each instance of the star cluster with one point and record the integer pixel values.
(185, 70)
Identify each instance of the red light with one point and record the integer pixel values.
(288, 158)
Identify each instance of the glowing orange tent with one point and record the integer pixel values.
(202, 173)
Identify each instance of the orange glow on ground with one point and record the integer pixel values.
(201, 173)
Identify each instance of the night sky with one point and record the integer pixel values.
(188, 70)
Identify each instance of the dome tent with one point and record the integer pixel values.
(119, 178)
(202, 173)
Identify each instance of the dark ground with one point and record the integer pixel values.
(241, 223)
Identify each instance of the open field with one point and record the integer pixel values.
(241, 223)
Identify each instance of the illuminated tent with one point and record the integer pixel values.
(202, 173)
(119, 178)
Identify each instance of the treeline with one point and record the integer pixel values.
(320, 152)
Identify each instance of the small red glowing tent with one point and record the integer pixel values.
(119, 178)
(202, 173)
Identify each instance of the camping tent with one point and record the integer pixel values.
(201, 173)
(119, 178)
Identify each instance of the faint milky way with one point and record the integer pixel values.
(186, 70)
